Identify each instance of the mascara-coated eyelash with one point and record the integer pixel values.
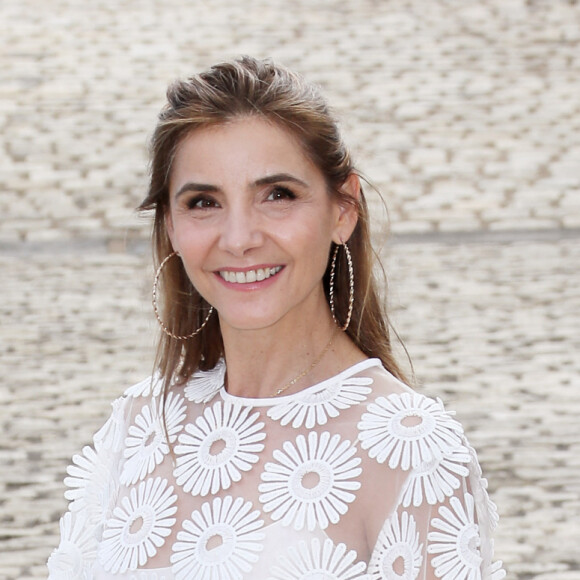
(279, 192)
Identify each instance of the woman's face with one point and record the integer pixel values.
(253, 221)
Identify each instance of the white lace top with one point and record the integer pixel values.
(357, 477)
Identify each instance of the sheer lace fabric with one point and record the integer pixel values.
(357, 477)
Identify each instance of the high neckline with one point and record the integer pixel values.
(271, 401)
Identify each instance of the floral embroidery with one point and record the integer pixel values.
(483, 502)
(326, 561)
(312, 482)
(437, 479)
(146, 445)
(148, 575)
(222, 540)
(111, 434)
(77, 549)
(496, 571)
(138, 527)
(205, 384)
(408, 429)
(456, 541)
(150, 386)
(397, 546)
(224, 441)
(124, 515)
(91, 483)
(315, 406)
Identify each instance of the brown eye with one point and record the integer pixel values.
(201, 202)
(280, 193)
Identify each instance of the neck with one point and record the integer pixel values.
(261, 362)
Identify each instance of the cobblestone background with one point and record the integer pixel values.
(466, 114)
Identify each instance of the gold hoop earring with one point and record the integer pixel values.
(350, 282)
(156, 308)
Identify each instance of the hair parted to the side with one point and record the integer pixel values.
(226, 91)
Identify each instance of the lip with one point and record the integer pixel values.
(249, 278)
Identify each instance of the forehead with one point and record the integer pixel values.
(246, 148)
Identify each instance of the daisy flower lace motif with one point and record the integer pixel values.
(202, 387)
(316, 561)
(145, 445)
(455, 543)
(496, 571)
(221, 541)
(138, 527)
(397, 545)
(408, 429)
(311, 482)
(111, 434)
(148, 575)
(76, 552)
(437, 479)
(315, 406)
(214, 450)
(91, 485)
(151, 386)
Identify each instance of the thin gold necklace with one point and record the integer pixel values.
(307, 370)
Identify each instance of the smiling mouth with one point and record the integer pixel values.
(249, 276)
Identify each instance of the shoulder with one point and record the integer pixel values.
(384, 383)
(389, 391)
(404, 428)
(150, 386)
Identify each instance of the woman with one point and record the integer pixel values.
(277, 439)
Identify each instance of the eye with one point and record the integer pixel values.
(201, 202)
(280, 193)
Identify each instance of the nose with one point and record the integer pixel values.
(241, 231)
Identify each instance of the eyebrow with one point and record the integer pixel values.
(191, 186)
(277, 178)
(196, 187)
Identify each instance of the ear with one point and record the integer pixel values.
(348, 212)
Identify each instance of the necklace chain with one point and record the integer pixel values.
(308, 369)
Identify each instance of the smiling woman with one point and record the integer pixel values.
(246, 203)
(277, 438)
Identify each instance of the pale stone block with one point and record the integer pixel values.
(10, 236)
(459, 224)
(571, 220)
(529, 224)
(84, 224)
(413, 110)
(48, 235)
(452, 190)
(569, 169)
(420, 157)
(412, 227)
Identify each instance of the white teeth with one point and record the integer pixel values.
(249, 276)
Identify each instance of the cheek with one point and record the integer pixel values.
(309, 243)
(188, 237)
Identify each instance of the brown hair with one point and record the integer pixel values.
(248, 87)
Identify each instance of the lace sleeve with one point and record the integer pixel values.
(92, 483)
(442, 523)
